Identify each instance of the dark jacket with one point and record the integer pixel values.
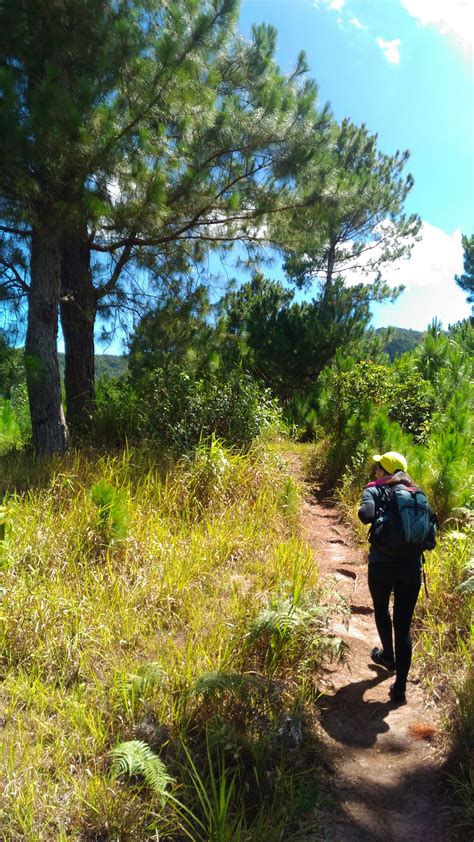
(374, 499)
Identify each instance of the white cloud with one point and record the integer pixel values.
(434, 260)
(428, 278)
(390, 49)
(451, 17)
(357, 23)
(332, 5)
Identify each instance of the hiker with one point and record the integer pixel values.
(394, 564)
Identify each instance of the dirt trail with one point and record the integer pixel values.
(387, 780)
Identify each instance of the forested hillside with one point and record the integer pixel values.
(108, 366)
(165, 628)
(401, 341)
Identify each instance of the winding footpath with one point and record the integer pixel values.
(385, 761)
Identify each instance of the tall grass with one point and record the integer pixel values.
(131, 599)
(444, 649)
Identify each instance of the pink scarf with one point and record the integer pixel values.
(389, 481)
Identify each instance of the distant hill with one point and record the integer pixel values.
(402, 340)
(108, 366)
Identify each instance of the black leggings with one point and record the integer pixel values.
(405, 582)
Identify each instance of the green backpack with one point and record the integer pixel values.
(406, 519)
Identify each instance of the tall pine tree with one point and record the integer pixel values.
(136, 130)
(357, 222)
(59, 66)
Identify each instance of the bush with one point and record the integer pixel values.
(15, 425)
(178, 411)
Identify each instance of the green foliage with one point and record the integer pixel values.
(400, 341)
(11, 367)
(146, 679)
(107, 366)
(460, 766)
(448, 363)
(365, 196)
(452, 465)
(112, 513)
(19, 404)
(367, 405)
(466, 280)
(219, 684)
(136, 759)
(119, 412)
(293, 629)
(177, 410)
(3, 518)
(216, 796)
(432, 353)
(444, 617)
(288, 344)
(141, 687)
(208, 470)
(444, 651)
(68, 63)
(398, 390)
(15, 425)
(302, 416)
(410, 401)
(176, 334)
(9, 429)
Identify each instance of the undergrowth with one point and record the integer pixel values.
(159, 633)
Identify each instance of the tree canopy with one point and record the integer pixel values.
(135, 136)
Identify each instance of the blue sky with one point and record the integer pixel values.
(405, 69)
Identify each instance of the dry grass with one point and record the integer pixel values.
(111, 564)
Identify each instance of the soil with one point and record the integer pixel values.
(385, 759)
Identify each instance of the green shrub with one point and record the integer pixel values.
(177, 411)
(15, 425)
(120, 413)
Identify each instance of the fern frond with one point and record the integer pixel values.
(217, 683)
(466, 587)
(286, 619)
(336, 649)
(148, 678)
(136, 759)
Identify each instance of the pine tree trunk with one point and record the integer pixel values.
(78, 312)
(49, 428)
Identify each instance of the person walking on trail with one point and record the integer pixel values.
(394, 566)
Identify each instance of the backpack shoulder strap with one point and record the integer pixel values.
(381, 504)
(386, 494)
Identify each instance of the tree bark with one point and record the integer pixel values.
(50, 434)
(78, 312)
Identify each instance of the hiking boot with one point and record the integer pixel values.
(379, 658)
(397, 694)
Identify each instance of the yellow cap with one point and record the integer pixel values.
(392, 461)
